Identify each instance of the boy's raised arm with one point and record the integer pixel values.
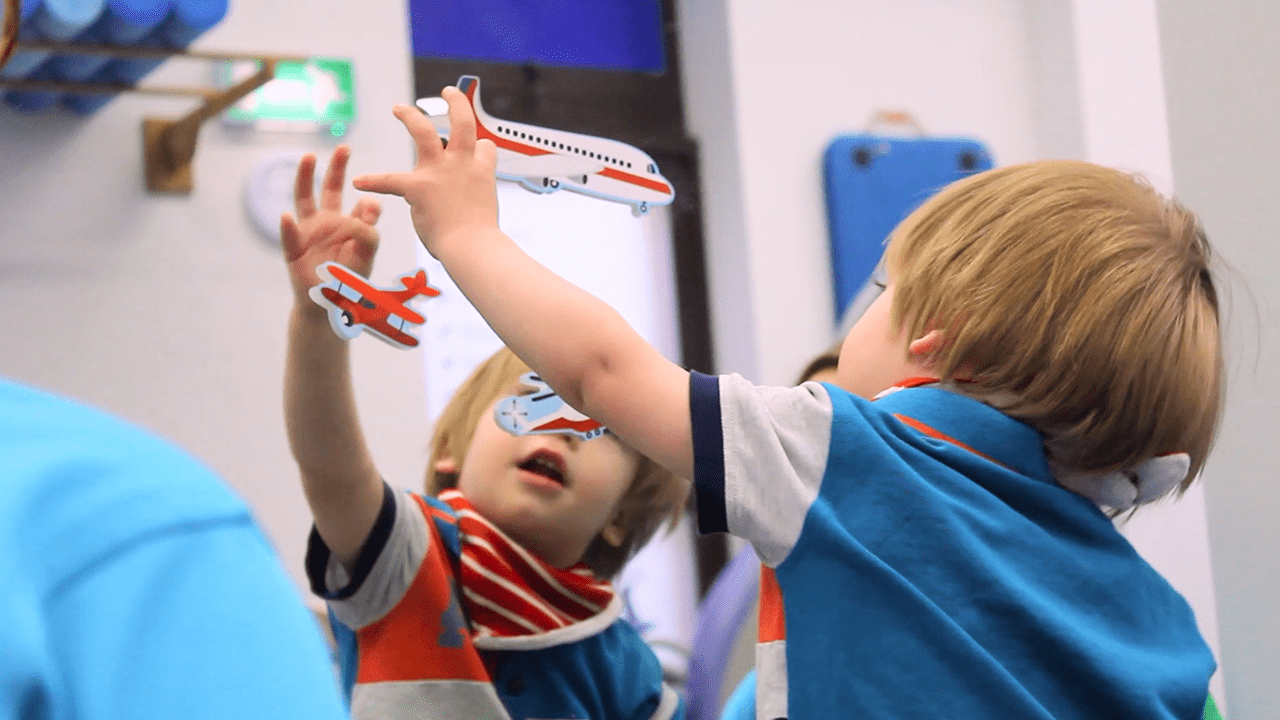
(584, 349)
(341, 483)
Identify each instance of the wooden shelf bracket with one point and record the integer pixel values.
(168, 145)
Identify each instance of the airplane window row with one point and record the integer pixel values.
(562, 146)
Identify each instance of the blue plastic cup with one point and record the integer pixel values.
(190, 19)
(87, 103)
(129, 21)
(125, 22)
(131, 70)
(184, 23)
(65, 19)
(33, 100)
(60, 20)
(76, 67)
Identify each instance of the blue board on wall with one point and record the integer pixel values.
(872, 182)
(612, 34)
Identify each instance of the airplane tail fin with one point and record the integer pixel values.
(470, 86)
(418, 284)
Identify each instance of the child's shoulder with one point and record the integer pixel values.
(443, 518)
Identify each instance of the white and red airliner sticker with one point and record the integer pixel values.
(544, 160)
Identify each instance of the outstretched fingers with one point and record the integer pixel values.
(462, 120)
(290, 240)
(303, 202)
(331, 190)
(384, 183)
(422, 131)
(363, 233)
(367, 210)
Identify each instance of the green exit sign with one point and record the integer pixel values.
(317, 95)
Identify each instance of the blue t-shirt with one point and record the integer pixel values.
(930, 566)
(136, 584)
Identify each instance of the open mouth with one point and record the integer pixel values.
(546, 464)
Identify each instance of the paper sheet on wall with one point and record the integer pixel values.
(599, 246)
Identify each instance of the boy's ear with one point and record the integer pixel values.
(447, 465)
(613, 534)
(926, 347)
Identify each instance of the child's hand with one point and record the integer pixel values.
(323, 234)
(452, 190)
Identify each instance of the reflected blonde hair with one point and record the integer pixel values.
(1077, 297)
(655, 496)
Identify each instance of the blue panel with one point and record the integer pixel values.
(872, 183)
(621, 34)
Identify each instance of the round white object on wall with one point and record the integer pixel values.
(268, 192)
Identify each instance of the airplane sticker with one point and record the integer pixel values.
(542, 412)
(544, 160)
(355, 305)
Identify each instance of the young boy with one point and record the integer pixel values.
(1054, 317)
(490, 596)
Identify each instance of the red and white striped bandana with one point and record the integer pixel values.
(508, 592)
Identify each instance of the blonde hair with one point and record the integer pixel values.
(1078, 297)
(655, 495)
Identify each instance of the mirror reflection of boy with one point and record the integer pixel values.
(1047, 343)
(490, 595)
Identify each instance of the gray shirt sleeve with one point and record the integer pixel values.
(363, 600)
(776, 442)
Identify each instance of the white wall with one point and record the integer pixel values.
(170, 311)
(1222, 75)
(1123, 123)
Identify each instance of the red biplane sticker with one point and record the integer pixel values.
(355, 304)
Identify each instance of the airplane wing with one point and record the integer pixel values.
(354, 303)
(549, 165)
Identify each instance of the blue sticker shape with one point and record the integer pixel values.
(542, 412)
(355, 304)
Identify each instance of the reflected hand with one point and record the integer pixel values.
(323, 233)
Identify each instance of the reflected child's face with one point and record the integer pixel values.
(553, 494)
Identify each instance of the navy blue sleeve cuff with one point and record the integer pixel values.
(708, 452)
(318, 552)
